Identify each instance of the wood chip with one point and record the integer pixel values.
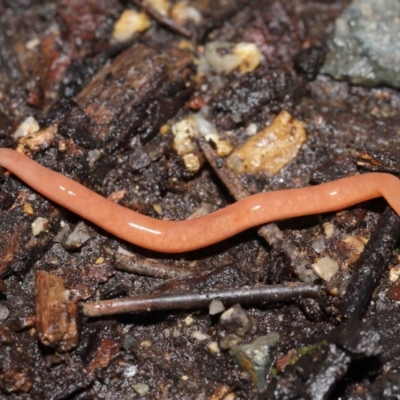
(56, 314)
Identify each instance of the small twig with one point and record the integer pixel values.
(370, 265)
(258, 295)
(270, 232)
(378, 161)
(169, 23)
(149, 267)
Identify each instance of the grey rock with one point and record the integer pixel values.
(257, 357)
(365, 48)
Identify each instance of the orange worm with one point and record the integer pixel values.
(182, 236)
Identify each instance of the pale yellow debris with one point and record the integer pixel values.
(162, 6)
(250, 56)
(129, 23)
(272, 148)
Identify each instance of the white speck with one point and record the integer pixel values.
(255, 208)
(200, 336)
(129, 371)
(333, 193)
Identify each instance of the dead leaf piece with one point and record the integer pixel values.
(272, 148)
(105, 353)
(56, 314)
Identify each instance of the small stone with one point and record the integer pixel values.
(229, 340)
(213, 347)
(329, 229)
(216, 307)
(79, 236)
(129, 343)
(27, 127)
(318, 245)
(130, 371)
(93, 156)
(236, 320)
(28, 209)
(32, 44)
(176, 333)
(167, 333)
(189, 320)
(200, 336)
(364, 49)
(142, 389)
(192, 162)
(40, 225)
(325, 268)
(4, 312)
(129, 23)
(257, 357)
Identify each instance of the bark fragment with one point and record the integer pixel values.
(56, 314)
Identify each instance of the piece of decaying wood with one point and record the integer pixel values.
(56, 313)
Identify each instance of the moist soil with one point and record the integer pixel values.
(106, 110)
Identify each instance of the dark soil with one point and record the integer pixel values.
(109, 102)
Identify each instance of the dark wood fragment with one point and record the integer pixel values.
(178, 301)
(313, 376)
(216, 12)
(378, 161)
(370, 265)
(270, 232)
(56, 313)
(134, 95)
(394, 292)
(16, 372)
(84, 282)
(82, 29)
(101, 345)
(358, 338)
(258, 88)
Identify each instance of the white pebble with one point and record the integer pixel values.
(40, 225)
(142, 389)
(216, 307)
(325, 268)
(4, 312)
(189, 320)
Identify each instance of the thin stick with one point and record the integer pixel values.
(258, 295)
(169, 23)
